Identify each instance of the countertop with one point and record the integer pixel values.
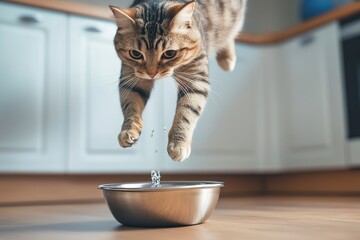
(268, 38)
(248, 218)
(277, 37)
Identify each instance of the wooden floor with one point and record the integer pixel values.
(235, 218)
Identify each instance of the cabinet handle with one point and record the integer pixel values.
(92, 29)
(29, 19)
(307, 40)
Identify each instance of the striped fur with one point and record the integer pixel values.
(158, 38)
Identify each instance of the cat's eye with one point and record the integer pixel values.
(135, 54)
(169, 54)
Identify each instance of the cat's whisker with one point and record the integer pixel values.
(130, 84)
(192, 81)
(112, 82)
(173, 85)
(183, 88)
(106, 84)
(126, 83)
(135, 82)
(123, 80)
(127, 92)
(199, 86)
(127, 78)
(215, 80)
(210, 91)
(186, 90)
(195, 83)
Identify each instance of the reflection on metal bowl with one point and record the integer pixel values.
(175, 203)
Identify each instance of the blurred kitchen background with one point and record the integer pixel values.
(286, 120)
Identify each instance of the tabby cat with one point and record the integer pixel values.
(159, 38)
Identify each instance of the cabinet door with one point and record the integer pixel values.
(311, 120)
(353, 149)
(229, 135)
(95, 117)
(32, 67)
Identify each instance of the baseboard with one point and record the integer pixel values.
(342, 182)
(33, 189)
(18, 189)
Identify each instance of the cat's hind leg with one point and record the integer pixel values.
(226, 57)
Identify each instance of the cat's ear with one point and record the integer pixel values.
(125, 18)
(182, 17)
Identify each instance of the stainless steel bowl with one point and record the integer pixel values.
(175, 203)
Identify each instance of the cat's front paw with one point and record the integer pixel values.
(128, 137)
(179, 151)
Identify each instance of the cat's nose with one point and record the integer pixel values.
(152, 75)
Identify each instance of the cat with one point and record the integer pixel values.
(160, 38)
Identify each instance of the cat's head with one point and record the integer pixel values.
(155, 38)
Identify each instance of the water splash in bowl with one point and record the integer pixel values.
(155, 178)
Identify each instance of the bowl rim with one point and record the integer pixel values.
(176, 185)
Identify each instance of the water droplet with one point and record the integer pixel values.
(155, 178)
(152, 133)
(164, 128)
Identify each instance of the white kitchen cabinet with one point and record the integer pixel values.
(353, 150)
(32, 67)
(281, 109)
(230, 135)
(95, 116)
(311, 122)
